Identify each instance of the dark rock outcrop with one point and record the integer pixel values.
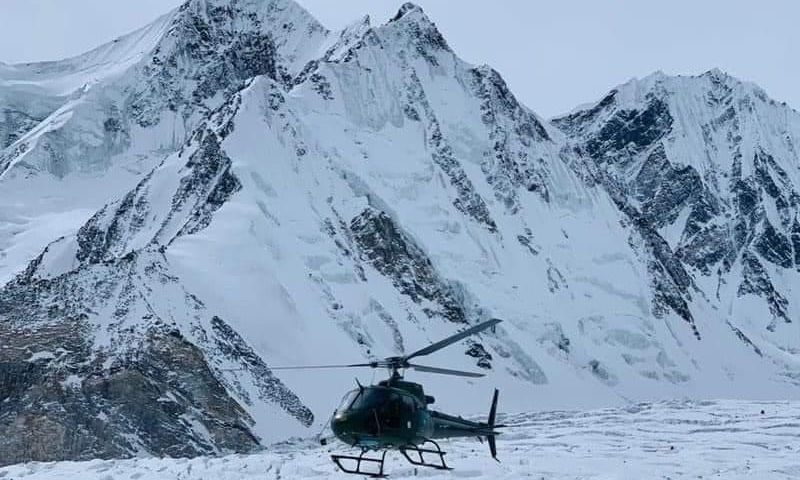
(395, 255)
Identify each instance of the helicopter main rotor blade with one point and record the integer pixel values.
(453, 339)
(309, 367)
(445, 371)
(319, 367)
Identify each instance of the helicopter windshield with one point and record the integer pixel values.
(347, 400)
(363, 399)
(369, 398)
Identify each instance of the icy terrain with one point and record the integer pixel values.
(235, 187)
(728, 440)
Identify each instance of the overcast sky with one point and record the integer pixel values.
(554, 54)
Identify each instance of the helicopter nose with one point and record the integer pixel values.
(339, 423)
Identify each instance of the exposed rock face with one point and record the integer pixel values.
(14, 124)
(252, 190)
(396, 256)
(484, 358)
(212, 49)
(514, 132)
(83, 409)
(101, 370)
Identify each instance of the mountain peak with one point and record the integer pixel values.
(716, 75)
(406, 9)
(417, 28)
(269, 13)
(724, 80)
(249, 4)
(713, 82)
(657, 75)
(295, 33)
(716, 72)
(647, 82)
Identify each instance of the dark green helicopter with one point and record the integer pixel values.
(394, 414)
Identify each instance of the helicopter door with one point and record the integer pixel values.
(393, 411)
(409, 408)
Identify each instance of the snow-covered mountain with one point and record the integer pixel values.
(709, 166)
(235, 187)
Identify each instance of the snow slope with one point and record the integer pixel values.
(254, 190)
(725, 439)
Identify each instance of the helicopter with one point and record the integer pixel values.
(394, 414)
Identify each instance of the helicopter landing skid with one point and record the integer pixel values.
(420, 451)
(337, 459)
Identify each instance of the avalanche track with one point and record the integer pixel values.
(720, 439)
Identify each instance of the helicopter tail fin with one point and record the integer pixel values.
(491, 425)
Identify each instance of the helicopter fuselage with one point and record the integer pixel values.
(381, 417)
(394, 414)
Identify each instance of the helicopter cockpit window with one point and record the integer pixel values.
(347, 400)
(369, 398)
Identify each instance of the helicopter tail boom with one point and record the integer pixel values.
(448, 426)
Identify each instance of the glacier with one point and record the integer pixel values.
(677, 439)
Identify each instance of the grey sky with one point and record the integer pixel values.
(554, 55)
